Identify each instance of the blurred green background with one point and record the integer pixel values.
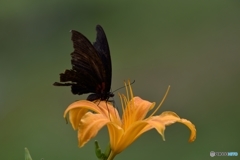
(192, 46)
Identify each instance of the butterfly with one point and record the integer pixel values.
(91, 67)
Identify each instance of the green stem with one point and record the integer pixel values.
(111, 156)
(108, 150)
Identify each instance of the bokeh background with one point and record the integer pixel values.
(194, 46)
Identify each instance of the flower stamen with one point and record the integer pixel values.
(163, 99)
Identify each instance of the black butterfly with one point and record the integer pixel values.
(91, 67)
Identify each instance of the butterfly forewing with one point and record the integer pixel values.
(91, 67)
(86, 62)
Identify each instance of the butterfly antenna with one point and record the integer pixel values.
(124, 86)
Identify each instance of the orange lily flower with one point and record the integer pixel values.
(122, 131)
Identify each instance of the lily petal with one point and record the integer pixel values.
(75, 115)
(82, 104)
(78, 109)
(120, 139)
(141, 108)
(89, 126)
(168, 118)
(192, 129)
(136, 110)
(115, 134)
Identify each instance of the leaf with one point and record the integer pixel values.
(27, 155)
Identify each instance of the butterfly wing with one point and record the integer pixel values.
(91, 66)
(101, 45)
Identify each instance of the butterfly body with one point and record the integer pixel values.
(91, 67)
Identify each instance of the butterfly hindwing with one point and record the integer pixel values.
(101, 45)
